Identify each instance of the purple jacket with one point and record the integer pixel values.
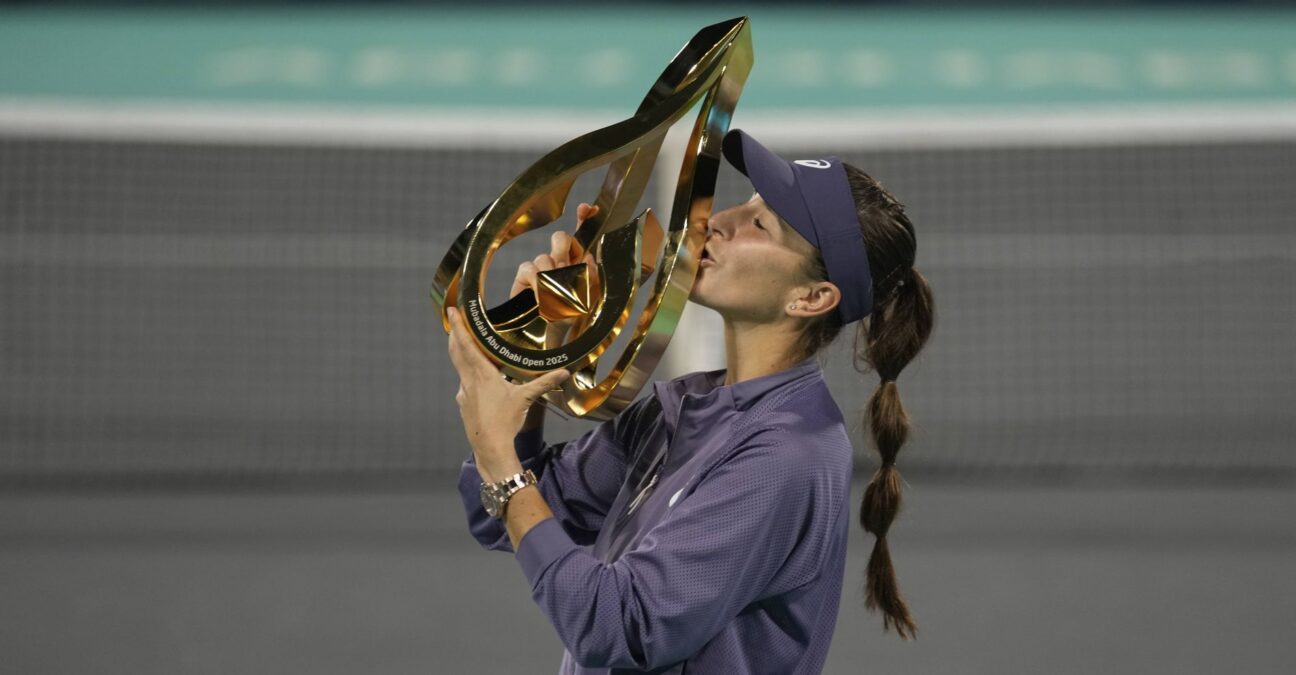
(732, 564)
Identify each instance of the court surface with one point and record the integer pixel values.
(1002, 579)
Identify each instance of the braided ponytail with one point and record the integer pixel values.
(895, 333)
(886, 341)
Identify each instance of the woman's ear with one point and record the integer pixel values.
(818, 298)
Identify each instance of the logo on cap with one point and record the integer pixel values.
(813, 163)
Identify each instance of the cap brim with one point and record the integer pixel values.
(772, 176)
(756, 161)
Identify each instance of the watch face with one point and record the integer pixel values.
(489, 501)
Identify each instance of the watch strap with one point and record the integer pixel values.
(505, 489)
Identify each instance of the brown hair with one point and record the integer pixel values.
(886, 341)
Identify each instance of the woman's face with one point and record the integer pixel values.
(752, 264)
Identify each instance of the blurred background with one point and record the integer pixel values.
(228, 434)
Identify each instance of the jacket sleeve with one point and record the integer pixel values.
(579, 478)
(756, 525)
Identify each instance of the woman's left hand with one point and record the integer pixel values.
(493, 409)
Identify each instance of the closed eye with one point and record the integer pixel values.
(758, 224)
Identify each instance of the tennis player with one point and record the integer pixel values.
(704, 529)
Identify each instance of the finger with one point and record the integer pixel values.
(543, 262)
(527, 272)
(522, 280)
(458, 322)
(471, 353)
(462, 353)
(560, 248)
(455, 348)
(550, 380)
(459, 348)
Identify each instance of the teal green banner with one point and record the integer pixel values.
(584, 58)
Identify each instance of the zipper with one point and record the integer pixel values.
(643, 494)
(646, 490)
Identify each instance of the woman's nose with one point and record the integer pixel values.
(720, 223)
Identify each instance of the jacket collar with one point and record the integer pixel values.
(709, 390)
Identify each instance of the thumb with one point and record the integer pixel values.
(546, 382)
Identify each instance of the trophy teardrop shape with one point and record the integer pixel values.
(712, 68)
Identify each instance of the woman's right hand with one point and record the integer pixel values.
(560, 255)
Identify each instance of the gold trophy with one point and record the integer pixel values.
(597, 300)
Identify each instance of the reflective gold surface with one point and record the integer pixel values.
(711, 68)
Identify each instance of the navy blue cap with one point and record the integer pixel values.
(814, 197)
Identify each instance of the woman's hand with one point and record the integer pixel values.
(560, 255)
(492, 407)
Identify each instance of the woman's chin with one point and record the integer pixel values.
(697, 296)
(698, 293)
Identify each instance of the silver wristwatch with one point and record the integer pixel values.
(495, 496)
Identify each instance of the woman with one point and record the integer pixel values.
(715, 510)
